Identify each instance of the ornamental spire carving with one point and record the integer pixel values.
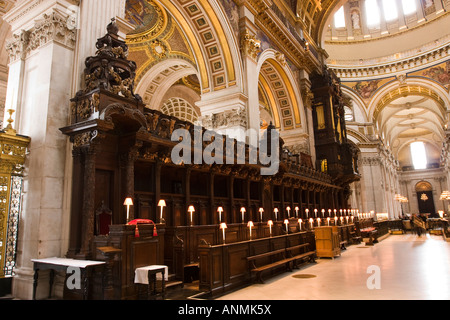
(108, 72)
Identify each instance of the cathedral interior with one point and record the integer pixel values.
(214, 144)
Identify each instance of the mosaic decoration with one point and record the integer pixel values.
(366, 89)
(439, 73)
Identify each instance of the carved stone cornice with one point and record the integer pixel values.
(50, 27)
(229, 118)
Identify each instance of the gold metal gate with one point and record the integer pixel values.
(13, 151)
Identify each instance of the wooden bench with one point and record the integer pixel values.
(370, 233)
(303, 255)
(279, 260)
(280, 257)
(354, 237)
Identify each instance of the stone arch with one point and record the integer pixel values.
(160, 77)
(277, 82)
(181, 109)
(213, 49)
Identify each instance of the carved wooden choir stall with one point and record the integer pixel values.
(122, 149)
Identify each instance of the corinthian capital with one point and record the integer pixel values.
(250, 46)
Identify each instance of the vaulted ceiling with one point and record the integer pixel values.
(398, 74)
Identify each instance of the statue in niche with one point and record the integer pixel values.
(428, 3)
(355, 19)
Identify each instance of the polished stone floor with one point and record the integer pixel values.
(400, 267)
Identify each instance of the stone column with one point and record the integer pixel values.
(93, 17)
(42, 55)
(250, 48)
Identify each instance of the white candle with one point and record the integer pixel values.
(276, 213)
(261, 210)
(315, 213)
(318, 222)
(328, 221)
(300, 224)
(286, 222)
(220, 209)
(307, 211)
(296, 212)
(288, 209)
(270, 223)
(243, 212)
(323, 213)
(311, 222)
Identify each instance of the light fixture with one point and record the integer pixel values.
(128, 202)
(270, 224)
(161, 204)
(243, 212)
(223, 226)
(220, 210)
(286, 222)
(191, 209)
(250, 225)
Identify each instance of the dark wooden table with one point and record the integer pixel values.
(62, 264)
(147, 275)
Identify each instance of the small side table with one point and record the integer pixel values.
(148, 275)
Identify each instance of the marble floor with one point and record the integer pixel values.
(400, 267)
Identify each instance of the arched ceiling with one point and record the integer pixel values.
(359, 44)
(392, 72)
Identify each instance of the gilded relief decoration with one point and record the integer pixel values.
(13, 150)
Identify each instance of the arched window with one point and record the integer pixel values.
(180, 109)
(419, 155)
(339, 18)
